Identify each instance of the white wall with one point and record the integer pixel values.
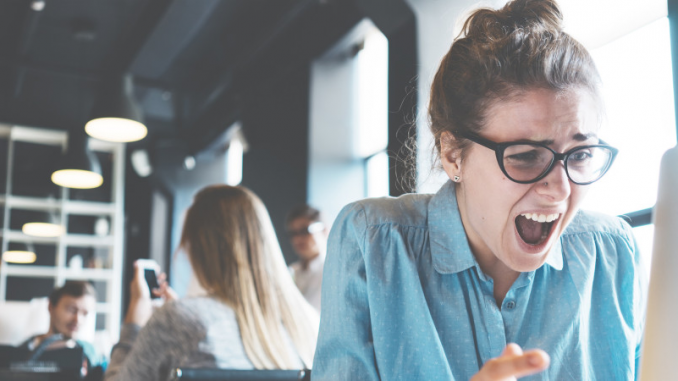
(336, 172)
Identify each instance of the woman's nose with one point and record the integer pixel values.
(556, 185)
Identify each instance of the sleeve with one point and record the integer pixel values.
(152, 352)
(345, 349)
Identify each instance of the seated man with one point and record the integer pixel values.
(308, 236)
(68, 310)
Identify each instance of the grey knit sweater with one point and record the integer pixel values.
(196, 332)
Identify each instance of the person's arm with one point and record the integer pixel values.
(146, 354)
(152, 352)
(345, 349)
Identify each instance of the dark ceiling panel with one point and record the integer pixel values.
(41, 101)
(12, 16)
(196, 42)
(177, 29)
(78, 34)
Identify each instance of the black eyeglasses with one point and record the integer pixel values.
(526, 162)
(314, 227)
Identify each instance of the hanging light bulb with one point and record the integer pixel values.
(79, 168)
(46, 226)
(21, 253)
(116, 116)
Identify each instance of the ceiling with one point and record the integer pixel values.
(193, 61)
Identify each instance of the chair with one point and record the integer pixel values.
(214, 374)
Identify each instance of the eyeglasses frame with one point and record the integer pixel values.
(499, 149)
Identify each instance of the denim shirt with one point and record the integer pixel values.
(404, 298)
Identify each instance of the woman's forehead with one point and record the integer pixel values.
(542, 114)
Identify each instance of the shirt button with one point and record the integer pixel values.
(510, 305)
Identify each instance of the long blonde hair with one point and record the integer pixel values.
(236, 257)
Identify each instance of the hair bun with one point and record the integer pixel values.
(536, 16)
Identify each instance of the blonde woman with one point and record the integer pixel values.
(253, 316)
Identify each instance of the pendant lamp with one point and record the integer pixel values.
(19, 252)
(116, 116)
(46, 225)
(79, 168)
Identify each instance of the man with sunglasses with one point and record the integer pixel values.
(308, 236)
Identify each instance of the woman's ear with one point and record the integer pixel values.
(450, 156)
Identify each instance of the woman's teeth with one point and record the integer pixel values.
(541, 217)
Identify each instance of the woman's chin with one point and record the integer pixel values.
(529, 257)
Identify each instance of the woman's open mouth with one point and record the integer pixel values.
(534, 228)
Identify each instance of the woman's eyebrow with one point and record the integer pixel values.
(583, 137)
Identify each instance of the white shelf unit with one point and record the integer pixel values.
(64, 207)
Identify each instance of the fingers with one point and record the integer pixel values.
(512, 364)
(512, 349)
(162, 278)
(165, 291)
(138, 286)
(515, 365)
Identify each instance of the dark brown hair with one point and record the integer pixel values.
(72, 288)
(499, 54)
(305, 211)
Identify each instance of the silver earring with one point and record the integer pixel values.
(456, 179)
(546, 183)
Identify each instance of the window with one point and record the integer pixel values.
(372, 112)
(640, 121)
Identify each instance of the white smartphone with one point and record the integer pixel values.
(151, 270)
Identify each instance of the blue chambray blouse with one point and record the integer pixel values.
(404, 298)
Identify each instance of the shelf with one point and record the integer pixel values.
(33, 203)
(69, 206)
(72, 211)
(67, 239)
(87, 274)
(87, 240)
(88, 208)
(30, 271)
(67, 273)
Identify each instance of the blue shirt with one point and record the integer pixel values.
(404, 298)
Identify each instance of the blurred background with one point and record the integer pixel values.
(302, 101)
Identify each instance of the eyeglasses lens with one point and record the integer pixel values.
(588, 164)
(525, 162)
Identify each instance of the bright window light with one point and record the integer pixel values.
(376, 175)
(372, 94)
(645, 236)
(234, 162)
(638, 93)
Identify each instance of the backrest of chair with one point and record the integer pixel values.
(214, 374)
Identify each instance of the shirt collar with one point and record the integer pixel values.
(449, 246)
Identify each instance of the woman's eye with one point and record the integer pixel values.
(524, 157)
(581, 156)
